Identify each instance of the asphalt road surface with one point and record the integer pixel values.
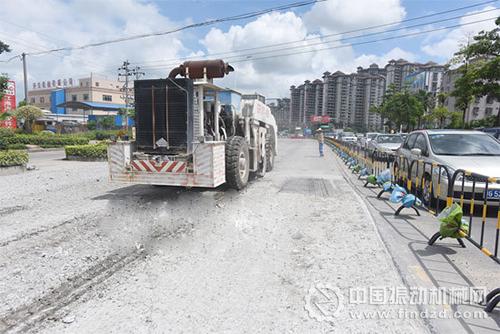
(81, 255)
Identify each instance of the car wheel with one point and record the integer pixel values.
(427, 193)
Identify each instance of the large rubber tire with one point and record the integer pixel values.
(262, 168)
(269, 158)
(237, 162)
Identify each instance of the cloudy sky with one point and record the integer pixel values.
(299, 43)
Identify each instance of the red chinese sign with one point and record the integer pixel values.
(8, 103)
(320, 119)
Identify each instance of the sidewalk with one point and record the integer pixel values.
(443, 265)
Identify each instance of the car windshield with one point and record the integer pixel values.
(464, 144)
(371, 135)
(388, 139)
(348, 134)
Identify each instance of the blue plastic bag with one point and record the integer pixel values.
(388, 186)
(397, 194)
(384, 176)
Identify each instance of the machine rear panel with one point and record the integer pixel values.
(163, 108)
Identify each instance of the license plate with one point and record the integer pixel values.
(493, 194)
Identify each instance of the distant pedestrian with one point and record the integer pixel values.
(321, 141)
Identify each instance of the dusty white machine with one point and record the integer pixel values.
(187, 136)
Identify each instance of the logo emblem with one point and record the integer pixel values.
(324, 302)
(161, 142)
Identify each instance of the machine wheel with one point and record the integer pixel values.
(269, 158)
(262, 166)
(237, 162)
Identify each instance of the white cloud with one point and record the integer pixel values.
(445, 45)
(272, 76)
(344, 15)
(45, 24)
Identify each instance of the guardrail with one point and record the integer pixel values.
(478, 190)
(426, 181)
(433, 182)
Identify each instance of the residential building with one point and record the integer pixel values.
(415, 76)
(295, 104)
(94, 95)
(280, 108)
(427, 77)
(481, 107)
(346, 98)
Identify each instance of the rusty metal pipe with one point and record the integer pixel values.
(199, 69)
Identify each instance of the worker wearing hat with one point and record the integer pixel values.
(321, 141)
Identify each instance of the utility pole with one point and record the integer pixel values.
(466, 108)
(125, 71)
(25, 73)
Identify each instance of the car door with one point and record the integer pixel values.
(405, 149)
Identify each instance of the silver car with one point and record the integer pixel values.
(472, 151)
(385, 143)
(367, 138)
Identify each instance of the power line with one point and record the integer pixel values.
(371, 41)
(322, 42)
(39, 47)
(347, 32)
(250, 58)
(190, 26)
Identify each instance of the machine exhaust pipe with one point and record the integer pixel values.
(199, 69)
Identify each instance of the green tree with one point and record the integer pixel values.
(130, 112)
(463, 90)
(4, 47)
(400, 109)
(440, 114)
(107, 122)
(28, 114)
(482, 75)
(456, 120)
(428, 102)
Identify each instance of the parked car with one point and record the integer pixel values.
(385, 143)
(348, 137)
(367, 138)
(473, 151)
(495, 132)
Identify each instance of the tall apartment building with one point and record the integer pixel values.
(397, 71)
(93, 95)
(295, 105)
(480, 108)
(414, 76)
(280, 108)
(346, 98)
(306, 100)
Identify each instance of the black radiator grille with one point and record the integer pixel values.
(154, 100)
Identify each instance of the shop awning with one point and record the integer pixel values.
(91, 105)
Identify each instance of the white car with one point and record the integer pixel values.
(385, 143)
(348, 137)
(367, 138)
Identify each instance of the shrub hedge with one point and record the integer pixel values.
(16, 147)
(44, 140)
(86, 152)
(13, 158)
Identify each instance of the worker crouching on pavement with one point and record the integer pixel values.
(321, 141)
